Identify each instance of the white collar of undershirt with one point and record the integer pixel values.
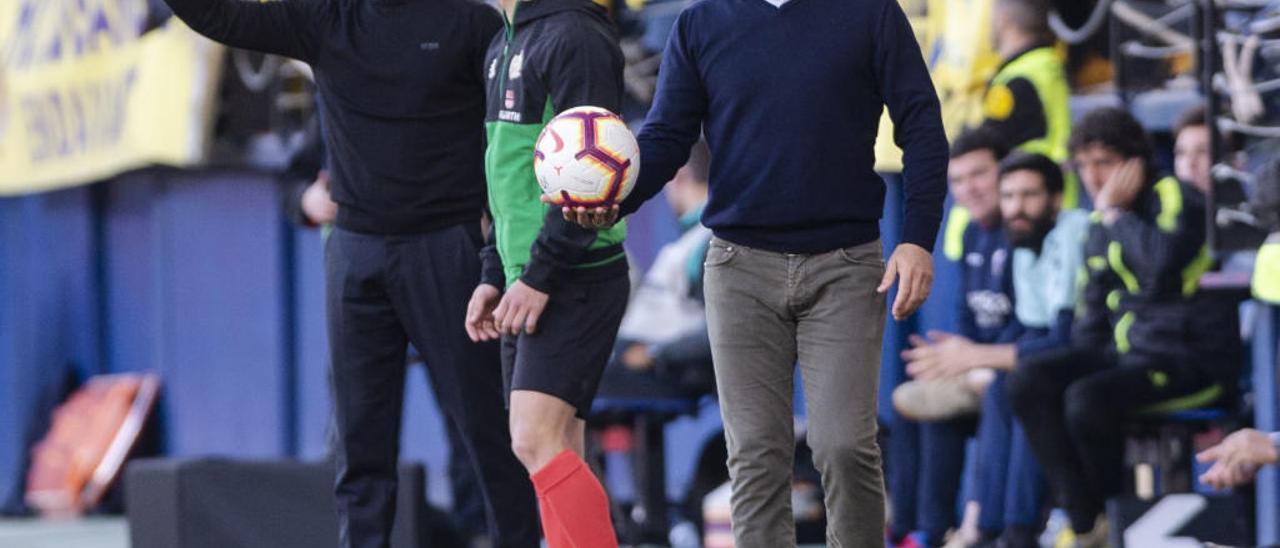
(777, 3)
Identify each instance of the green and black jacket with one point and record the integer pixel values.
(1142, 278)
(554, 56)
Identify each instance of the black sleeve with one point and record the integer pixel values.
(487, 24)
(282, 27)
(291, 191)
(1058, 335)
(1091, 326)
(1014, 112)
(308, 159)
(1157, 253)
(674, 121)
(560, 246)
(304, 164)
(907, 89)
(582, 67)
(491, 270)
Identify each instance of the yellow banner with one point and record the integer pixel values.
(92, 88)
(955, 36)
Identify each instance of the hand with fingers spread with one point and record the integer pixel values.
(480, 323)
(941, 355)
(1237, 458)
(912, 267)
(597, 218)
(519, 310)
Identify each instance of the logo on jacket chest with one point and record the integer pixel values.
(516, 68)
(990, 308)
(976, 259)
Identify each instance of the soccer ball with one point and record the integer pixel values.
(586, 157)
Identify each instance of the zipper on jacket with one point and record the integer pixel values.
(503, 67)
(509, 30)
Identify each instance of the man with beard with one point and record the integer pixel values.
(1047, 252)
(1144, 338)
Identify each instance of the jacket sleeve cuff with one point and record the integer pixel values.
(920, 232)
(540, 275)
(491, 271)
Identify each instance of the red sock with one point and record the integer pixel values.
(551, 528)
(575, 509)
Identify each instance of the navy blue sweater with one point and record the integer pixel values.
(790, 101)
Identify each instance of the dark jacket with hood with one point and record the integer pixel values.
(555, 55)
(1141, 281)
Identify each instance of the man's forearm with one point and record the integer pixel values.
(998, 356)
(280, 27)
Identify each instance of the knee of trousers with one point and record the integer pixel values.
(834, 453)
(1024, 389)
(1086, 411)
(761, 461)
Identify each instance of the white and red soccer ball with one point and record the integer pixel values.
(586, 157)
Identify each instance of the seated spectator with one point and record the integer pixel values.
(985, 312)
(664, 331)
(1265, 208)
(1135, 339)
(1046, 240)
(1237, 459)
(985, 305)
(1191, 159)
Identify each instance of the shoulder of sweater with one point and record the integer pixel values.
(479, 7)
(568, 29)
(698, 8)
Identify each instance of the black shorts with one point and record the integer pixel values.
(567, 354)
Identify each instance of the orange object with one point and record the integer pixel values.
(575, 508)
(90, 436)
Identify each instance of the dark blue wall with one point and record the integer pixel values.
(165, 271)
(49, 329)
(196, 276)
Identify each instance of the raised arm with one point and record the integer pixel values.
(281, 27)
